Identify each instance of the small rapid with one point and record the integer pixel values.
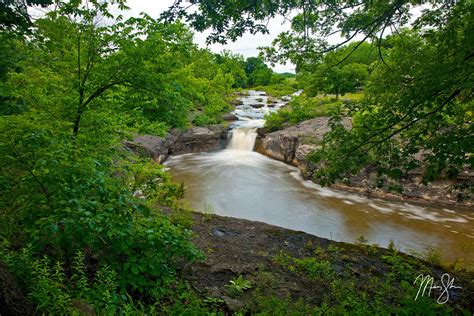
(242, 138)
(239, 182)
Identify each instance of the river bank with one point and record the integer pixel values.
(293, 144)
(294, 272)
(221, 172)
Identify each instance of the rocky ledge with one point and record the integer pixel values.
(293, 144)
(177, 142)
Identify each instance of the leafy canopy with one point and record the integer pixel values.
(418, 106)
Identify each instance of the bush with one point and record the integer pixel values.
(280, 88)
(66, 197)
(302, 108)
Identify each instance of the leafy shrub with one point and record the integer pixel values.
(311, 268)
(238, 285)
(66, 197)
(302, 108)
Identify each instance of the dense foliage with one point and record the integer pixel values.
(82, 221)
(78, 215)
(417, 74)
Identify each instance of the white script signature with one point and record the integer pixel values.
(427, 284)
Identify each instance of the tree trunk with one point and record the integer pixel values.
(12, 300)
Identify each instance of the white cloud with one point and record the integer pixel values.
(246, 45)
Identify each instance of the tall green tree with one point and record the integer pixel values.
(258, 73)
(68, 189)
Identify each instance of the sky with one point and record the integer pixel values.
(246, 45)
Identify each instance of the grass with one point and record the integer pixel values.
(304, 108)
(287, 87)
(329, 291)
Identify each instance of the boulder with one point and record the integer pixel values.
(196, 139)
(152, 146)
(272, 100)
(241, 93)
(229, 117)
(234, 305)
(257, 105)
(301, 159)
(236, 102)
(291, 145)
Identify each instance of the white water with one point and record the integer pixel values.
(239, 182)
(242, 138)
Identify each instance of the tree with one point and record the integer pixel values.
(14, 14)
(258, 73)
(424, 108)
(233, 64)
(68, 189)
(418, 111)
(330, 75)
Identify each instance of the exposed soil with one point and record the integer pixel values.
(234, 247)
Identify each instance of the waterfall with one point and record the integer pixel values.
(242, 138)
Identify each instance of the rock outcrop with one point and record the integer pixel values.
(292, 145)
(257, 105)
(152, 146)
(194, 139)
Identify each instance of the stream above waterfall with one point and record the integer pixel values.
(239, 182)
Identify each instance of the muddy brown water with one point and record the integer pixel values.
(240, 183)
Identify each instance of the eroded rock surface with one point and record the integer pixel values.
(152, 146)
(195, 139)
(293, 144)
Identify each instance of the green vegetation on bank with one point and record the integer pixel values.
(82, 221)
(85, 226)
(280, 88)
(303, 108)
(416, 72)
(349, 289)
(417, 90)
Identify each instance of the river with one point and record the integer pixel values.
(239, 182)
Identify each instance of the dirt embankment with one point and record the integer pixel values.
(236, 247)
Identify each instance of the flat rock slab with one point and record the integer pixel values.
(194, 139)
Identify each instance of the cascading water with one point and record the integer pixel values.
(239, 182)
(250, 115)
(242, 138)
